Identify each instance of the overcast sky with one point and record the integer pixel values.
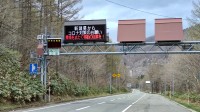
(102, 9)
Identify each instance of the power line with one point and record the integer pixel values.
(151, 13)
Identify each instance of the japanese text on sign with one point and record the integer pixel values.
(85, 33)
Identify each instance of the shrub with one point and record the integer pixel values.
(15, 85)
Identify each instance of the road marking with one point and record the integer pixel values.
(126, 108)
(46, 107)
(101, 103)
(133, 103)
(82, 108)
(138, 99)
(112, 100)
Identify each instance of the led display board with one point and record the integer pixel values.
(54, 43)
(83, 31)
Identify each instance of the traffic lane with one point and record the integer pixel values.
(117, 104)
(66, 107)
(156, 103)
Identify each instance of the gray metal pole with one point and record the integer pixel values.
(123, 53)
(110, 83)
(45, 63)
(42, 71)
(173, 85)
(49, 89)
(42, 64)
(165, 84)
(45, 72)
(87, 84)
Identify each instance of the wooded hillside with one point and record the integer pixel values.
(20, 23)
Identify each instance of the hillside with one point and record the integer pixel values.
(139, 63)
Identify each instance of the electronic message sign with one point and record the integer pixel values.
(84, 31)
(54, 43)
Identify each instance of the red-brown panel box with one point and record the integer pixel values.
(131, 30)
(169, 29)
(40, 51)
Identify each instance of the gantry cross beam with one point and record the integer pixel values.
(184, 47)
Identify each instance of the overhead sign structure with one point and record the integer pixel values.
(148, 82)
(131, 31)
(33, 68)
(83, 31)
(54, 42)
(54, 52)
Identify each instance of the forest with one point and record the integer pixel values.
(177, 75)
(71, 76)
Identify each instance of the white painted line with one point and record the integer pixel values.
(133, 103)
(46, 107)
(82, 108)
(112, 100)
(138, 99)
(126, 108)
(101, 103)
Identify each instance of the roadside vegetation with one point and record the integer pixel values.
(18, 88)
(69, 77)
(178, 76)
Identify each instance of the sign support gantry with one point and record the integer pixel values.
(89, 37)
(184, 47)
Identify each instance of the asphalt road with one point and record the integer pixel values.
(131, 102)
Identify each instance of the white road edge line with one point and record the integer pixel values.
(133, 103)
(82, 108)
(57, 105)
(46, 107)
(126, 108)
(101, 103)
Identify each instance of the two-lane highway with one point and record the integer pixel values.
(132, 102)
